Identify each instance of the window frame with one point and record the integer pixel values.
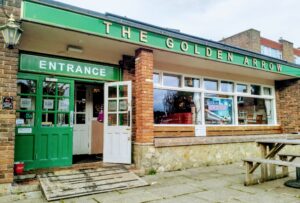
(203, 91)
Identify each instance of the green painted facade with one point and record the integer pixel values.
(45, 14)
(68, 67)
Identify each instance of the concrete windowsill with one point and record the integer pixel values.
(187, 141)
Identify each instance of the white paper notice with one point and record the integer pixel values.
(25, 103)
(24, 130)
(200, 130)
(48, 104)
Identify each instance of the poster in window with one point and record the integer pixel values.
(218, 110)
(25, 103)
(48, 104)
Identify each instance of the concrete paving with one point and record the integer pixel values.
(206, 184)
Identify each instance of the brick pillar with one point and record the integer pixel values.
(144, 95)
(8, 87)
(287, 51)
(288, 105)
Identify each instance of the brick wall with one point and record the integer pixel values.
(8, 87)
(144, 96)
(288, 105)
(249, 39)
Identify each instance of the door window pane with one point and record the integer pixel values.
(218, 109)
(255, 111)
(48, 103)
(80, 119)
(267, 91)
(191, 82)
(123, 105)
(255, 89)
(226, 86)
(211, 84)
(177, 107)
(26, 86)
(172, 80)
(63, 104)
(26, 103)
(112, 105)
(123, 119)
(62, 119)
(112, 92)
(25, 119)
(112, 119)
(63, 89)
(80, 99)
(48, 119)
(49, 88)
(241, 88)
(123, 90)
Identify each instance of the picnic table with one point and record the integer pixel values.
(269, 149)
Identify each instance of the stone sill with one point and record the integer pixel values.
(188, 141)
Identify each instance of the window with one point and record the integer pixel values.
(176, 107)
(255, 111)
(180, 100)
(218, 109)
(172, 80)
(226, 86)
(255, 89)
(297, 59)
(211, 84)
(191, 82)
(241, 88)
(271, 52)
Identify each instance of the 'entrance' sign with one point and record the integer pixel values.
(71, 68)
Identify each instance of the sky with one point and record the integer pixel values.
(209, 19)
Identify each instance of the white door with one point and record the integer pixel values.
(117, 122)
(81, 130)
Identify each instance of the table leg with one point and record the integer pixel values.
(272, 167)
(264, 168)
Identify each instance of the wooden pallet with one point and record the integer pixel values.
(76, 183)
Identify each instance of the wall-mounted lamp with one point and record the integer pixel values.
(71, 48)
(11, 32)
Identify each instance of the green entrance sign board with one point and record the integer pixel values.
(70, 68)
(68, 19)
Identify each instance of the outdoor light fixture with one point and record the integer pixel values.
(71, 48)
(11, 32)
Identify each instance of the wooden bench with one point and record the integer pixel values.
(250, 168)
(284, 157)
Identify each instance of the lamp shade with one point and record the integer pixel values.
(11, 32)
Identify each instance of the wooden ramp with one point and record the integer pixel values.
(67, 184)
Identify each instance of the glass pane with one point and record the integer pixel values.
(80, 99)
(63, 89)
(80, 118)
(112, 92)
(48, 119)
(112, 105)
(25, 119)
(267, 91)
(211, 84)
(62, 119)
(155, 78)
(25, 103)
(112, 119)
(191, 82)
(123, 119)
(241, 88)
(218, 109)
(172, 80)
(176, 107)
(26, 86)
(226, 86)
(255, 89)
(255, 111)
(63, 104)
(123, 91)
(48, 103)
(49, 88)
(123, 105)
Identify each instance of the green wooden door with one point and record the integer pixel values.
(45, 140)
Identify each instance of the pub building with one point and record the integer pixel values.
(86, 83)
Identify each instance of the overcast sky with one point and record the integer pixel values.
(210, 19)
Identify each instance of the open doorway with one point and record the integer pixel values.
(88, 123)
